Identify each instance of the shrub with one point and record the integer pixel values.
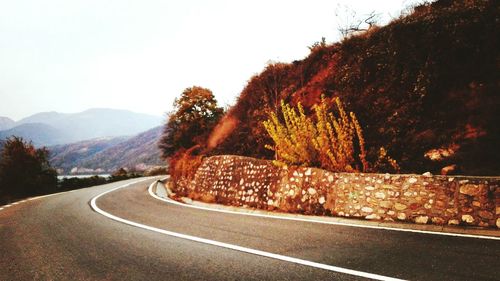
(184, 163)
(332, 142)
(76, 183)
(156, 171)
(328, 141)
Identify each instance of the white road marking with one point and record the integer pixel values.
(44, 196)
(150, 190)
(231, 246)
(34, 198)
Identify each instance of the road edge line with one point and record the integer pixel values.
(34, 198)
(94, 206)
(171, 201)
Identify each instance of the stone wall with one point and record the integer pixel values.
(242, 181)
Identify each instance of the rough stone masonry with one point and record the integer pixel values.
(423, 199)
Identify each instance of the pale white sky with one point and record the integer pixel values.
(68, 56)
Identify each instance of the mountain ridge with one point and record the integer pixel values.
(38, 133)
(6, 123)
(89, 124)
(103, 155)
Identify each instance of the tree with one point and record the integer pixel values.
(272, 85)
(25, 170)
(119, 174)
(318, 45)
(349, 22)
(195, 114)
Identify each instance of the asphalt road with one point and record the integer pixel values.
(61, 238)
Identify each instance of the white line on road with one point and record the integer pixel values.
(234, 247)
(34, 198)
(311, 220)
(43, 196)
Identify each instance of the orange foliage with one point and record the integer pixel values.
(428, 79)
(184, 163)
(225, 126)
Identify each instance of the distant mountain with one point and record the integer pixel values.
(136, 153)
(40, 134)
(89, 124)
(44, 117)
(6, 123)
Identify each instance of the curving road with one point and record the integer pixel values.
(60, 237)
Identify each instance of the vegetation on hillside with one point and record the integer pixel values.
(64, 157)
(105, 155)
(76, 183)
(425, 88)
(326, 141)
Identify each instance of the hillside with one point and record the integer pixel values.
(425, 87)
(68, 156)
(89, 124)
(40, 134)
(107, 155)
(135, 153)
(6, 123)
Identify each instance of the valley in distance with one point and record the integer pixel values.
(95, 141)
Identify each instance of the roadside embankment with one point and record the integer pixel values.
(423, 199)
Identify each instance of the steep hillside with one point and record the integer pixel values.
(94, 123)
(135, 153)
(68, 156)
(6, 123)
(426, 87)
(107, 155)
(40, 134)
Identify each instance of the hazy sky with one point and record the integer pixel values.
(68, 56)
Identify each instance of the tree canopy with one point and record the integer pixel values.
(195, 114)
(25, 170)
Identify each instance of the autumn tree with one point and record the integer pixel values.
(273, 84)
(25, 170)
(195, 114)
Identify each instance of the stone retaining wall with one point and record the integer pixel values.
(243, 181)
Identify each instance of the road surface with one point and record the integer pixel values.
(60, 237)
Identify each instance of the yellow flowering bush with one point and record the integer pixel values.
(331, 141)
